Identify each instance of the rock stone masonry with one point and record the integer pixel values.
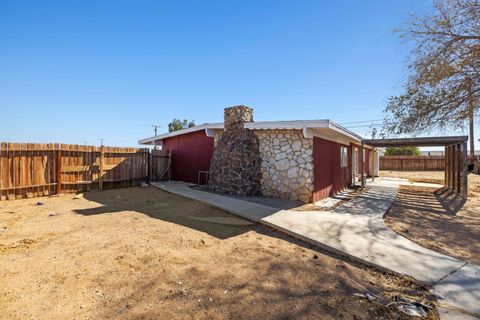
(235, 166)
(287, 164)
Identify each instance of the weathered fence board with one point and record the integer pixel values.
(161, 163)
(32, 170)
(412, 163)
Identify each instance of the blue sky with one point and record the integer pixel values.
(77, 71)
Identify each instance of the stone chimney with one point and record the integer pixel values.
(235, 166)
(235, 117)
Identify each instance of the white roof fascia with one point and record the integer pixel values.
(292, 124)
(210, 132)
(307, 127)
(340, 129)
(203, 126)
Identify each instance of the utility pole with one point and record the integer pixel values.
(470, 118)
(155, 127)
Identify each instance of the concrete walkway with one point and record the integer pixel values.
(245, 209)
(357, 229)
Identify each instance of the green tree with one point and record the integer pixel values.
(442, 89)
(402, 151)
(177, 124)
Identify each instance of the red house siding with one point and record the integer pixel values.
(191, 153)
(328, 176)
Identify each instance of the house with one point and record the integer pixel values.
(306, 160)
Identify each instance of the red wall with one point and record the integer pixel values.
(328, 176)
(190, 152)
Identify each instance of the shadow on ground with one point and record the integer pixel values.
(278, 203)
(168, 207)
(120, 264)
(449, 200)
(438, 220)
(272, 277)
(284, 287)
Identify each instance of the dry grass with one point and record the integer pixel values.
(141, 253)
(438, 220)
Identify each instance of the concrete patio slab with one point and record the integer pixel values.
(248, 210)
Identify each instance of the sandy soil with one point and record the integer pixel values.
(141, 253)
(436, 220)
(417, 176)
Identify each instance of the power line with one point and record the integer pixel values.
(362, 121)
(366, 125)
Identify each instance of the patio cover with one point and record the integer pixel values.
(456, 169)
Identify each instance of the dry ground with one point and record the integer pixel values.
(436, 220)
(141, 253)
(416, 176)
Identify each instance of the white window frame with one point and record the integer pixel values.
(343, 157)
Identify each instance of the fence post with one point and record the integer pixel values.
(59, 170)
(100, 168)
(150, 164)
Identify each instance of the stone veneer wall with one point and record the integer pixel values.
(235, 166)
(287, 164)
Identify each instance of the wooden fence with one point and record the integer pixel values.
(160, 165)
(412, 163)
(32, 170)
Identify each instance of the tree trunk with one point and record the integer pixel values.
(470, 118)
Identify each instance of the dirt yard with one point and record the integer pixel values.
(416, 176)
(437, 220)
(141, 253)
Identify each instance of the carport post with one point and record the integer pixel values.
(362, 165)
(465, 170)
(445, 169)
(374, 157)
(458, 167)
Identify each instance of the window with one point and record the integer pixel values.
(343, 157)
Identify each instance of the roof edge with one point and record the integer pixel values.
(200, 127)
(263, 125)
